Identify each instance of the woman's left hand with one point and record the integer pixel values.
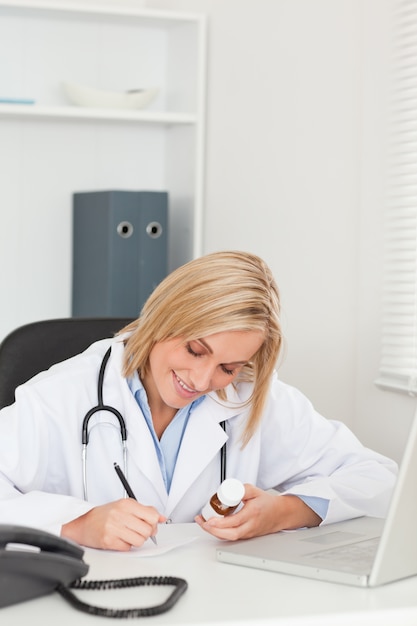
(263, 513)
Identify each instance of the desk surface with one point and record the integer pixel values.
(223, 594)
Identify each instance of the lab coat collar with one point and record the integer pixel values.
(202, 441)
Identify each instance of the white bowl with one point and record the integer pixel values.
(84, 96)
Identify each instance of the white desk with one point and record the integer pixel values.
(222, 594)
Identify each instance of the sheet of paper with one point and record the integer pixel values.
(168, 538)
(150, 549)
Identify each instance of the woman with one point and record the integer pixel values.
(194, 372)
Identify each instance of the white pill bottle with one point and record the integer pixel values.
(225, 501)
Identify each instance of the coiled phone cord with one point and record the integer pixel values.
(180, 585)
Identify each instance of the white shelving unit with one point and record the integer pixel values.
(51, 149)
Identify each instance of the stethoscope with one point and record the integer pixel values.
(101, 407)
(123, 431)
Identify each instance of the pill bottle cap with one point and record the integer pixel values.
(231, 491)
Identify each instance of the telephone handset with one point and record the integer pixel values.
(34, 563)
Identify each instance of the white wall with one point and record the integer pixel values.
(295, 138)
(382, 418)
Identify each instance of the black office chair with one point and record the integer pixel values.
(34, 347)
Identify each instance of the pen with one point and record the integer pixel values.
(128, 489)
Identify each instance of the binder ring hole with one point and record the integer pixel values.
(154, 230)
(125, 229)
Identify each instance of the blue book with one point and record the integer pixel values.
(7, 100)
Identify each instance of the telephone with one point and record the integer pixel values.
(34, 563)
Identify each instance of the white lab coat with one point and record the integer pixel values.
(295, 450)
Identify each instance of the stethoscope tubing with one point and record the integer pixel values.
(123, 430)
(95, 409)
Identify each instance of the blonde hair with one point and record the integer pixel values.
(218, 292)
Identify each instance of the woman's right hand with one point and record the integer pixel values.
(117, 525)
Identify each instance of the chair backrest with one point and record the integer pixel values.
(34, 347)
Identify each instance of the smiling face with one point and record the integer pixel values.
(180, 372)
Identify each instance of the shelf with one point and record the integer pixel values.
(39, 33)
(101, 10)
(75, 113)
(51, 148)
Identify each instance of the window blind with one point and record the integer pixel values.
(398, 364)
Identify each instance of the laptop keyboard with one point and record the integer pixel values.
(359, 554)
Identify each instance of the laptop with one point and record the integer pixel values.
(364, 551)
